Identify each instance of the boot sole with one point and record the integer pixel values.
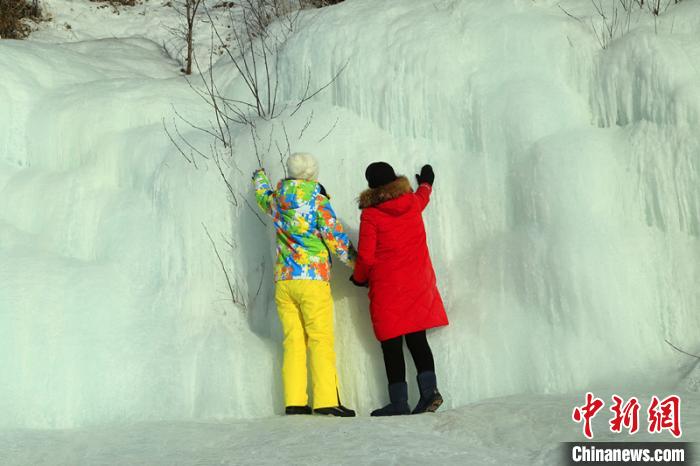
(403, 413)
(316, 413)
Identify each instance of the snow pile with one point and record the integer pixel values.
(161, 22)
(564, 226)
(108, 305)
(515, 431)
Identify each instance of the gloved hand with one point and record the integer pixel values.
(255, 172)
(426, 175)
(356, 283)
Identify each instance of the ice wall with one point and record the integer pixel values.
(564, 225)
(111, 304)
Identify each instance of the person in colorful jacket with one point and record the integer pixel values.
(395, 263)
(307, 231)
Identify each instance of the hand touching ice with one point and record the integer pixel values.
(426, 175)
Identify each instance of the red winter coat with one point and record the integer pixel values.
(393, 256)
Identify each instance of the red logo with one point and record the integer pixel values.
(626, 416)
(662, 414)
(587, 412)
(665, 415)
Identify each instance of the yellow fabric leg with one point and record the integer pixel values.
(316, 305)
(294, 360)
(313, 300)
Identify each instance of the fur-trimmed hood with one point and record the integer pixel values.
(374, 196)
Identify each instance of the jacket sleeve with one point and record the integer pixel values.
(333, 234)
(263, 191)
(423, 194)
(367, 247)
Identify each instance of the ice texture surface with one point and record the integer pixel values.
(564, 226)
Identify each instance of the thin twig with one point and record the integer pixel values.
(330, 130)
(254, 135)
(570, 15)
(681, 351)
(262, 276)
(308, 122)
(253, 210)
(320, 89)
(234, 298)
(189, 159)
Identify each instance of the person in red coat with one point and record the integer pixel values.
(393, 260)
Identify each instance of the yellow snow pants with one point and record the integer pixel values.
(305, 308)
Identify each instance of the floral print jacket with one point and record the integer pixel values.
(306, 228)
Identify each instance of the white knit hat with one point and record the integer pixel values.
(302, 166)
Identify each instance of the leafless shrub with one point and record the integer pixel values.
(254, 54)
(262, 13)
(187, 9)
(117, 3)
(656, 7)
(613, 22)
(259, 14)
(319, 3)
(253, 50)
(15, 16)
(234, 288)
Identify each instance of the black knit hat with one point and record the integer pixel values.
(379, 174)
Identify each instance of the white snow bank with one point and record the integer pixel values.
(563, 228)
(524, 430)
(159, 21)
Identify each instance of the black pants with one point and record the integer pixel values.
(393, 355)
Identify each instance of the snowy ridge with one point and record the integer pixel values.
(505, 431)
(564, 225)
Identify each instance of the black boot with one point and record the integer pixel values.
(289, 410)
(398, 395)
(338, 411)
(430, 398)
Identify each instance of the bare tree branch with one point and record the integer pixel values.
(308, 97)
(330, 130)
(255, 212)
(234, 293)
(681, 351)
(306, 125)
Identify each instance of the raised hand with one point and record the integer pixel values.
(426, 175)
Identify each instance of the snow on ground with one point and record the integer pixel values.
(564, 226)
(160, 22)
(505, 431)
